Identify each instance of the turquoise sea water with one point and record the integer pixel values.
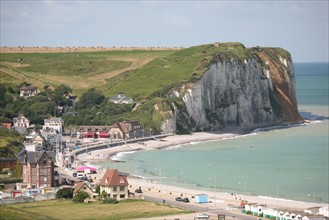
(293, 160)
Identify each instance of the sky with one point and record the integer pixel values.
(299, 26)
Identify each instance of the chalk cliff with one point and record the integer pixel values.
(254, 92)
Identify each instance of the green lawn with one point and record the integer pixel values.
(66, 209)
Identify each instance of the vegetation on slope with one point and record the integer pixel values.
(146, 76)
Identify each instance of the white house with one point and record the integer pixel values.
(114, 184)
(21, 121)
(121, 99)
(54, 123)
(28, 91)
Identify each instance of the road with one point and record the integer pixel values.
(234, 214)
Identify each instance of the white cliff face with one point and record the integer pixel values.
(233, 93)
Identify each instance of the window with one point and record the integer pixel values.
(122, 188)
(45, 178)
(114, 188)
(114, 196)
(122, 196)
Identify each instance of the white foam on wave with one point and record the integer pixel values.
(277, 199)
(119, 155)
(174, 147)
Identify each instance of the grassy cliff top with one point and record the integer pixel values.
(137, 73)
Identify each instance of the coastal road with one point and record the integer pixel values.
(236, 215)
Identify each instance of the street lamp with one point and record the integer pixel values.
(184, 181)
(244, 187)
(214, 178)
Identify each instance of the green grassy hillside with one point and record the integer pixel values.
(144, 75)
(80, 71)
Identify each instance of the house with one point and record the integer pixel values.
(82, 186)
(33, 147)
(39, 170)
(114, 184)
(54, 123)
(28, 91)
(119, 131)
(95, 131)
(135, 129)
(35, 137)
(121, 99)
(21, 121)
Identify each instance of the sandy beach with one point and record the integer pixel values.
(218, 200)
(160, 143)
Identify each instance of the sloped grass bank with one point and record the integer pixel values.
(66, 209)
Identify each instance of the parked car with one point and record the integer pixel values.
(74, 174)
(80, 175)
(139, 190)
(202, 216)
(179, 199)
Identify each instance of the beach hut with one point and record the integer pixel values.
(256, 210)
(270, 213)
(201, 198)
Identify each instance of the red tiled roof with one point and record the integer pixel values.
(122, 127)
(79, 186)
(6, 125)
(113, 178)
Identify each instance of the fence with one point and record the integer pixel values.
(22, 199)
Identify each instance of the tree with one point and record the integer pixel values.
(91, 98)
(103, 195)
(80, 197)
(64, 193)
(62, 89)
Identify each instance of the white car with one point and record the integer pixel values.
(202, 216)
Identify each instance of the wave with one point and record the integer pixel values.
(119, 155)
(174, 147)
(277, 199)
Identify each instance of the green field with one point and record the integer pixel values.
(80, 71)
(66, 209)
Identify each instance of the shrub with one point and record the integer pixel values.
(80, 197)
(64, 193)
(11, 180)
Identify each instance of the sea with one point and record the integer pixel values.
(289, 162)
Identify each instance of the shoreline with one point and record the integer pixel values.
(159, 144)
(223, 199)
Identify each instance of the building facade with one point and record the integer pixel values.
(39, 170)
(114, 184)
(54, 123)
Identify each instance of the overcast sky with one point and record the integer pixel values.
(301, 27)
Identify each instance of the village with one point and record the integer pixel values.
(50, 163)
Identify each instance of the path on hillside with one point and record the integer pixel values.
(136, 64)
(78, 82)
